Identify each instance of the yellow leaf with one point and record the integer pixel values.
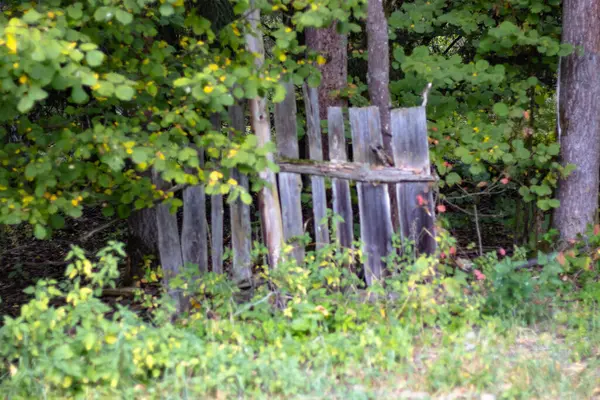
(110, 339)
(67, 382)
(321, 60)
(11, 43)
(149, 360)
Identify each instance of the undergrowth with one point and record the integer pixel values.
(312, 331)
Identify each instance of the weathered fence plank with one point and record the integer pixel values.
(269, 207)
(169, 245)
(216, 218)
(290, 185)
(194, 241)
(342, 203)
(415, 200)
(315, 147)
(373, 200)
(241, 229)
(352, 171)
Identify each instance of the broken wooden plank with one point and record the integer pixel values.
(216, 218)
(194, 231)
(373, 200)
(352, 171)
(272, 226)
(241, 229)
(169, 245)
(315, 148)
(342, 201)
(290, 185)
(415, 199)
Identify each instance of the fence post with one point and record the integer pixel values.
(315, 146)
(241, 229)
(373, 200)
(415, 200)
(290, 185)
(216, 217)
(342, 202)
(270, 210)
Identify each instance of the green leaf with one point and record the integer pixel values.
(139, 155)
(124, 17)
(501, 109)
(453, 178)
(94, 58)
(166, 10)
(40, 232)
(79, 95)
(124, 93)
(25, 104)
(246, 198)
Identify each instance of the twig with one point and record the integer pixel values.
(110, 223)
(478, 231)
(451, 45)
(425, 94)
(249, 306)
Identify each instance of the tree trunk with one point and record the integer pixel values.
(378, 79)
(334, 73)
(579, 118)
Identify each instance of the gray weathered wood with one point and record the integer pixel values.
(169, 245)
(342, 202)
(373, 200)
(352, 171)
(415, 200)
(216, 218)
(241, 229)
(290, 185)
(315, 147)
(272, 226)
(194, 232)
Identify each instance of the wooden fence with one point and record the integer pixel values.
(374, 172)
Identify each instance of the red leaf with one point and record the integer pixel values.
(480, 276)
(452, 250)
(441, 208)
(504, 181)
(526, 115)
(502, 251)
(434, 129)
(561, 258)
(596, 230)
(420, 200)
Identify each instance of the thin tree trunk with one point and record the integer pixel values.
(334, 73)
(579, 118)
(378, 79)
(270, 210)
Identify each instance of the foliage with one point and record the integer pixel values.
(492, 65)
(67, 342)
(95, 94)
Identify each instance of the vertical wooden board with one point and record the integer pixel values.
(241, 229)
(373, 200)
(319, 198)
(290, 185)
(269, 207)
(216, 218)
(342, 202)
(415, 200)
(194, 231)
(169, 245)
